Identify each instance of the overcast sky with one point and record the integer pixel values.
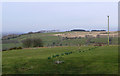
(35, 16)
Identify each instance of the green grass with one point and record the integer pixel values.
(11, 45)
(101, 60)
(105, 40)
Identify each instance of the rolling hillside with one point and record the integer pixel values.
(57, 39)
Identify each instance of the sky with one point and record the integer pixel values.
(63, 16)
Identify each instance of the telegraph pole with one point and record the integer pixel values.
(108, 30)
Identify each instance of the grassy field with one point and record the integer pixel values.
(49, 38)
(82, 60)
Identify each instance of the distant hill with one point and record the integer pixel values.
(78, 30)
(98, 30)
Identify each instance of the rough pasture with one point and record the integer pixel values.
(82, 60)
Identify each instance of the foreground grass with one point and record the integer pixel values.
(102, 60)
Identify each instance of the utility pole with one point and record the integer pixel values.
(108, 30)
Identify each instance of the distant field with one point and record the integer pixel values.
(49, 39)
(100, 60)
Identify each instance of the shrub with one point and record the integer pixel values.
(32, 42)
(4, 49)
(53, 56)
(37, 42)
(60, 44)
(19, 48)
(57, 55)
(13, 48)
(62, 54)
(27, 43)
(49, 57)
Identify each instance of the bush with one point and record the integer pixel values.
(27, 43)
(37, 42)
(4, 49)
(32, 42)
(19, 47)
(15, 48)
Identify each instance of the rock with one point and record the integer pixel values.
(59, 62)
